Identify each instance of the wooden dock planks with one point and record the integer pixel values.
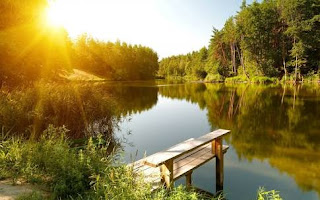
(159, 158)
(162, 168)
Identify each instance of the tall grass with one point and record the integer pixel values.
(85, 109)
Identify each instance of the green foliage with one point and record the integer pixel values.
(214, 78)
(268, 195)
(31, 196)
(84, 109)
(52, 161)
(236, 79)
(72, 173)
(265, 39)
(263, 79)
(312, 77)
(115, 61)
(190, 66)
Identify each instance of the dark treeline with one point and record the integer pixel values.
(31, 50)
(274, 38)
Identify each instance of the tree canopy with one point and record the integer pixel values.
(274, 38)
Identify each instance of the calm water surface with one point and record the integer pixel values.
(274, 143)
(275, 130)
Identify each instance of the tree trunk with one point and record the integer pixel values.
(233, 58)
(285, 69)
(240, 54)
(296, 67)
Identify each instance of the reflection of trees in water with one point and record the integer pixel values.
(278, 123)
(85, 109)
(134, 99)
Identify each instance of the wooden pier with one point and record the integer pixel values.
(163, 168)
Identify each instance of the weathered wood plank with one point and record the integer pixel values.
(197, 160)
(160, 158)
(139, 163)
(180, 167)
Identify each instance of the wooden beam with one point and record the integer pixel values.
(213, 147)
(189, 179)
(185, 147)
(219, 164)
(166, 170)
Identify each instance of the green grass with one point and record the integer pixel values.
(264, 79)
(31, 196)
(268, 195)
(236, 79)
(214, 78)
(254, 79)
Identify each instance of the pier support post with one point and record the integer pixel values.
(219, 164)
(189, 179)
(167, 174)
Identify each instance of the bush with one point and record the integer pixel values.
(268, 195)
(31, 196)
(52, 161)
(214, 78)
(236, 79)
(264, 79)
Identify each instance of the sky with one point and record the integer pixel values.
(170, 27)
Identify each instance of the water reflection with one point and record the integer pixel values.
(279, 124)
(84, 108)
(276, 125)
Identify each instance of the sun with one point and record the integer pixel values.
(68, 14)
(109, 20)
(54, 15)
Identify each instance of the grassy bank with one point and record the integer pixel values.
(216, 78)
(67, 172)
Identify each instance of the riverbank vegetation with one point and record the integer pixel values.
(65, 172)
(277, 39)
(88, 172)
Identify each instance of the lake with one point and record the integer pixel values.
(274, 140)
(275, 129)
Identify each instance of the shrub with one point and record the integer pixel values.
(31, 196)
(236, 79)
(214, 78)
(52, 161)
(268, 195)
(264, 79)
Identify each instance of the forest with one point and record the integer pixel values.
(31, 50)
(277, 39)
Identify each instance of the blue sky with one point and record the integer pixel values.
(193, 21)
(170, 27)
